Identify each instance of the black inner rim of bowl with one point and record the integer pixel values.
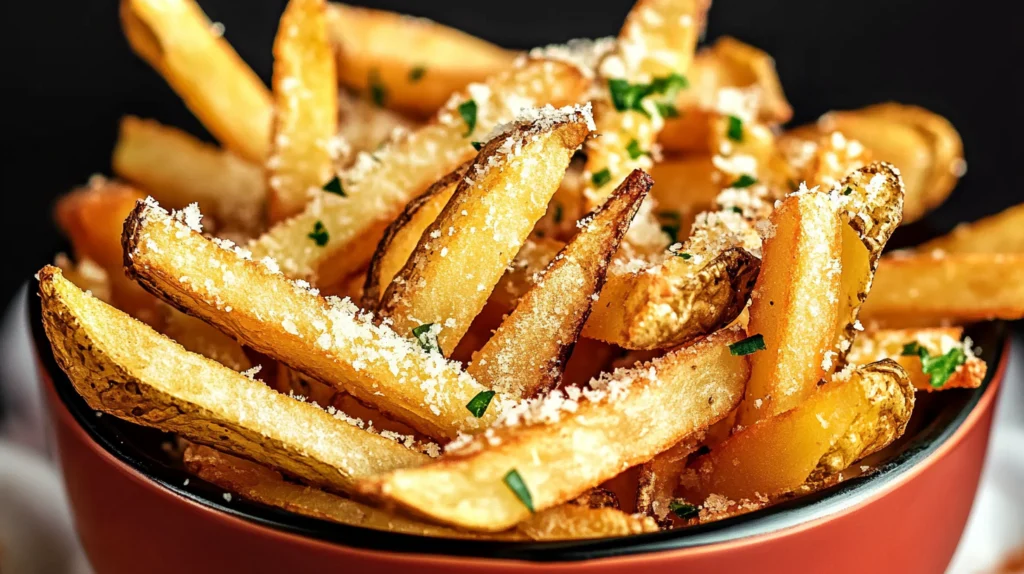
(135, 446)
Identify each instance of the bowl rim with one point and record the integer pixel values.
(785, 515)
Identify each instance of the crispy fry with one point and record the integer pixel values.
(177, 39)
(659, 480)
(330, 341)
(305, 90)
(843, 421)
(529, 351)
(889, 344)
(123, 368)
(795, 305)
(178, 169)
(937, 289)
(413, 64)
(558, 457)
(463, 254)
(378, 187)
(999, 233)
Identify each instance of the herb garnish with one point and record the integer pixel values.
(848, 191)
(685, 256)
(671, 222)
(427, 337)
(558, 213)
(518, 487)
(416, 74)
(467, 110)
(626, 96)
(634, 149)
(319, 234)
(940, 368)
(735, 131)
(751, 344)
(334, 186)
(602, 177)
(477, 145)
(378, 93)
(478, 405)
(743, 181)
(682, 509)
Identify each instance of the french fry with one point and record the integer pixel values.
(843, 421)
(999, 233)
(329, 340)
(795, 305)
(305, 91)
(541, 456)
(685, 186)
(938, 289)
(891, 344)
(409, 64)
(403, 235)
(528, 353)
(378, 187)
(178, 41)
(659, 480)
(124, 368)
(178, 169)
(463, 254)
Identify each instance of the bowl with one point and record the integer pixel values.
(135, 510)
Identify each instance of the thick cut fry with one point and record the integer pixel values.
(890, 344)
(999, 233)
(406, 63)
(552, 449)
(403, 235)
(659, 480)
(845, 420)
(378, 187)
(176, 38)
(178, 169)
(305, 108)
(463, 254)
(528, 353)
(795, 305)
(935, 289)
(124, 368)
(329, 340)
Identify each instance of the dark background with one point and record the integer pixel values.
(70, 75)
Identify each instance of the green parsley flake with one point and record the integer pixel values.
(319, 234)
(634, 149)
(467, 110)
(747, 346)
(939, 369)
(334, 186)
(518, 487)
(666, 110)
(427, 337)
(626, 96)
(682, 509)
(416, 74)
(685, 256)
(558, 213)
(671, 223)
(477, 145)
(735, 131)
(744, 181)
(736, 209)
(602, 177)
(378, 93)
(848, 191)
(478, 406)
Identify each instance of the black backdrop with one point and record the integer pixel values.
(68, 76)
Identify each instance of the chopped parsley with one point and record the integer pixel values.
(939, 369)
(743, 181)
(477, 145)
(602, 177)
(634, 149)
(467, 110)
(848, 191)
(751, 344)
(319, 234)
(518, 487)
(416, 74)
(334, 186)
(685, 256)
(671, 223)
(666, 110)
(378, 93)
(478, 406)
(735, 130)
(736, 209)
(558, 213)
(682, 509)
(427, 337)
(626, 96)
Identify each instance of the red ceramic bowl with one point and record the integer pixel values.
(135, 512)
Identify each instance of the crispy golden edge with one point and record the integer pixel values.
(123, 368)
(175, 38)
(999, 233)
(659, 479)
(670, 398)
(382, 46)
(402, 235)
(888, 344)
(329, 340)
(528, 353)
(305, 92)
(497, 199)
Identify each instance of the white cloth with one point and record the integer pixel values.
(36, 535)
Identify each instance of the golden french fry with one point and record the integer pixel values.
(552, 449)
(305, 90)
(890, 344)
(124, 368)
(659, 480)
(410, 64)
(528, 353)
(378, 187)
(178, 169)
(936, 289)
(795, 305)
(176, 38)
(463, 254)
(999, 233)
(331, 341)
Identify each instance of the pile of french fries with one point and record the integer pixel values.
(432, 286)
